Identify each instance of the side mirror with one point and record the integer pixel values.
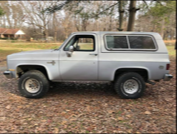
(71, 48)
(69, 53)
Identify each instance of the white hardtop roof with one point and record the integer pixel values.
(115, 32)
(156, 35)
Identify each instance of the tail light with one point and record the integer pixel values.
(168, 67)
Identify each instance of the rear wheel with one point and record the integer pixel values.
(130, 85)
(33, 84)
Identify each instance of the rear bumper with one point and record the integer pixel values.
(167, 77)
(8, 74)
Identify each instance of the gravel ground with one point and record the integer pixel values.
(89, 108)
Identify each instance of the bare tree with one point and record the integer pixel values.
(6, 8)
(36, 17)
(14, 16)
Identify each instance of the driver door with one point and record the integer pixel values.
(83, 62)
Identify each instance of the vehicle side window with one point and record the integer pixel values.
(82, 43)
(69, 44)
(141, 42)
(116, 42)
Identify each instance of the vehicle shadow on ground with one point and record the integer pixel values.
(89, 89)
(82, 88)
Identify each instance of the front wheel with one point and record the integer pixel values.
(33, 84)
(130, 85)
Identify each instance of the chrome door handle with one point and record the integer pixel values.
(93, 54)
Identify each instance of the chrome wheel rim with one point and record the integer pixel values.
(32, 85)
(131, 86)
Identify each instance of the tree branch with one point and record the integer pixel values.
(106, 9)
(146, 3)
(56, 7)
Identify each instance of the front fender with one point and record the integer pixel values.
(50, 73)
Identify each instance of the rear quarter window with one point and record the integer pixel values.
(129, 42)
(116, 42)
(141, 42)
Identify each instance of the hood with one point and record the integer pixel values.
(32, 55)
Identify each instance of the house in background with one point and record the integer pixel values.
(11, 33)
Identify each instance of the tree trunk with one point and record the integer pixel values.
(121, 14)
(132, 12)
(95, 28)
(4, 21)
(110, 23)
(154, 28)
(45, 33)
(54, 26)
(162, 29)
(84, 25)
(77, 24)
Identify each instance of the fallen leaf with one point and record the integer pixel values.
(168, 99)
(147, 112)
(2, 118)
(62, 131)
(63, 122)
(56, 130)
(120, 118)
(128, 116)
(110, 111)
(8, 107)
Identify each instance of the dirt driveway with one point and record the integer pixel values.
(89, 108)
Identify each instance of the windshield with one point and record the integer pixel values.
(64, 41)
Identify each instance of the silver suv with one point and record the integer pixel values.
(128, 59)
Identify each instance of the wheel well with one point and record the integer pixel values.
(24, 68)
(142, 72)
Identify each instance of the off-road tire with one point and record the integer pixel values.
(119, 85)
(40, 78)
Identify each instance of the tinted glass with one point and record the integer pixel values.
(81, 43)
(69, 44)
(141, 42)
(84, 44)
(116, 42)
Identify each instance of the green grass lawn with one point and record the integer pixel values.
(171, 50)
(7, 48)
(31, 45)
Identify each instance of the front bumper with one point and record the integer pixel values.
(8, 74)
(167, 77)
